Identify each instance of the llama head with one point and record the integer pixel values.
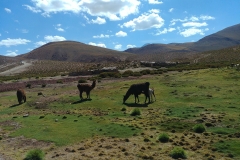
(125, 98)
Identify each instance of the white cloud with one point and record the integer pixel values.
(194, 24)
(154, 11)
(145, 21)
(101, 36)
(118, 47)
(121, 34)
(165, 30)
(11, 53)
(154, 2)
(13, 42)
(171, 9)
(193, 18)
(54, 38)
(206, 17)
(112, 9)
(98, 45)
(192, 31)
(33, 9)
(7, 10)
(60, 29)
(99, 20)
(53, 6)
(40, 43)
(131, 46)
(48, 39)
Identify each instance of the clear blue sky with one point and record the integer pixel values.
(114, 24)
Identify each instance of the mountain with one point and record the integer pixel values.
(5, 60)
(75, 52)
(225, 38)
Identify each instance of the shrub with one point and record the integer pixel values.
(137, 74)
(163, 137)
(178, 152)
(43, 85)
(35, 154)
(127, 73)
(135, 112)
(28, 85)
(59, 81)
(199, 128)
(82, 81)
(123, 109)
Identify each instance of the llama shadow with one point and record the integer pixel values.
(136, 105)
(15, 105)
(81, 101)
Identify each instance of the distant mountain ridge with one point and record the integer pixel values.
(227, 37)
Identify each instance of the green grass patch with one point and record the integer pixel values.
(69, 129)
(229, 147)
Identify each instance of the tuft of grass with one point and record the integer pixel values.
(135, 112)
(199, 128)
(35, 154)
(178, 152)
(164, 137)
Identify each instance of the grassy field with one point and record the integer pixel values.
(102, 127)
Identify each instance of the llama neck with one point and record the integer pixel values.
(93, 84)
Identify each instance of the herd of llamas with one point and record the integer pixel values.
(134, 89)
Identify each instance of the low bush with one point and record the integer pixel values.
(199, 128)
(127, 73)
(178, 152)
(135, 112)
(35, 154)
(163, 137)
(59, 81)
(28, 85)
(137, 74)
(82, 81)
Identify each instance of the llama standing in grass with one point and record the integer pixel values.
(21, 96)
(151, 94)
(137, 89)
(86, 88)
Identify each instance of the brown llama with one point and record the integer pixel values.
(86, 88)
(21, 96)
(137, 89)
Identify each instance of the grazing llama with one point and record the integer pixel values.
(21, 96)
(137, 89)
(86, 88)
(151, 94)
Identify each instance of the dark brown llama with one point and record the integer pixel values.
(21, 96)
(137, 89)
(86, 88)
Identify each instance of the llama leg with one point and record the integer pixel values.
(24, 98)
(81, 95)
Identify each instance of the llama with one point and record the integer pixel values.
(137, 89)
(151, 94)
(86, 88)
(21, 96)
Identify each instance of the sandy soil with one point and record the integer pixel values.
(16, 70)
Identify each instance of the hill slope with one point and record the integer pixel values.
(76, 52)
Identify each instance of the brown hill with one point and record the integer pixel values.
(225, 38)
(75, 52)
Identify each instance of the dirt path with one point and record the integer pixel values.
(17, 69)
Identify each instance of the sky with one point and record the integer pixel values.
(114, 24)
